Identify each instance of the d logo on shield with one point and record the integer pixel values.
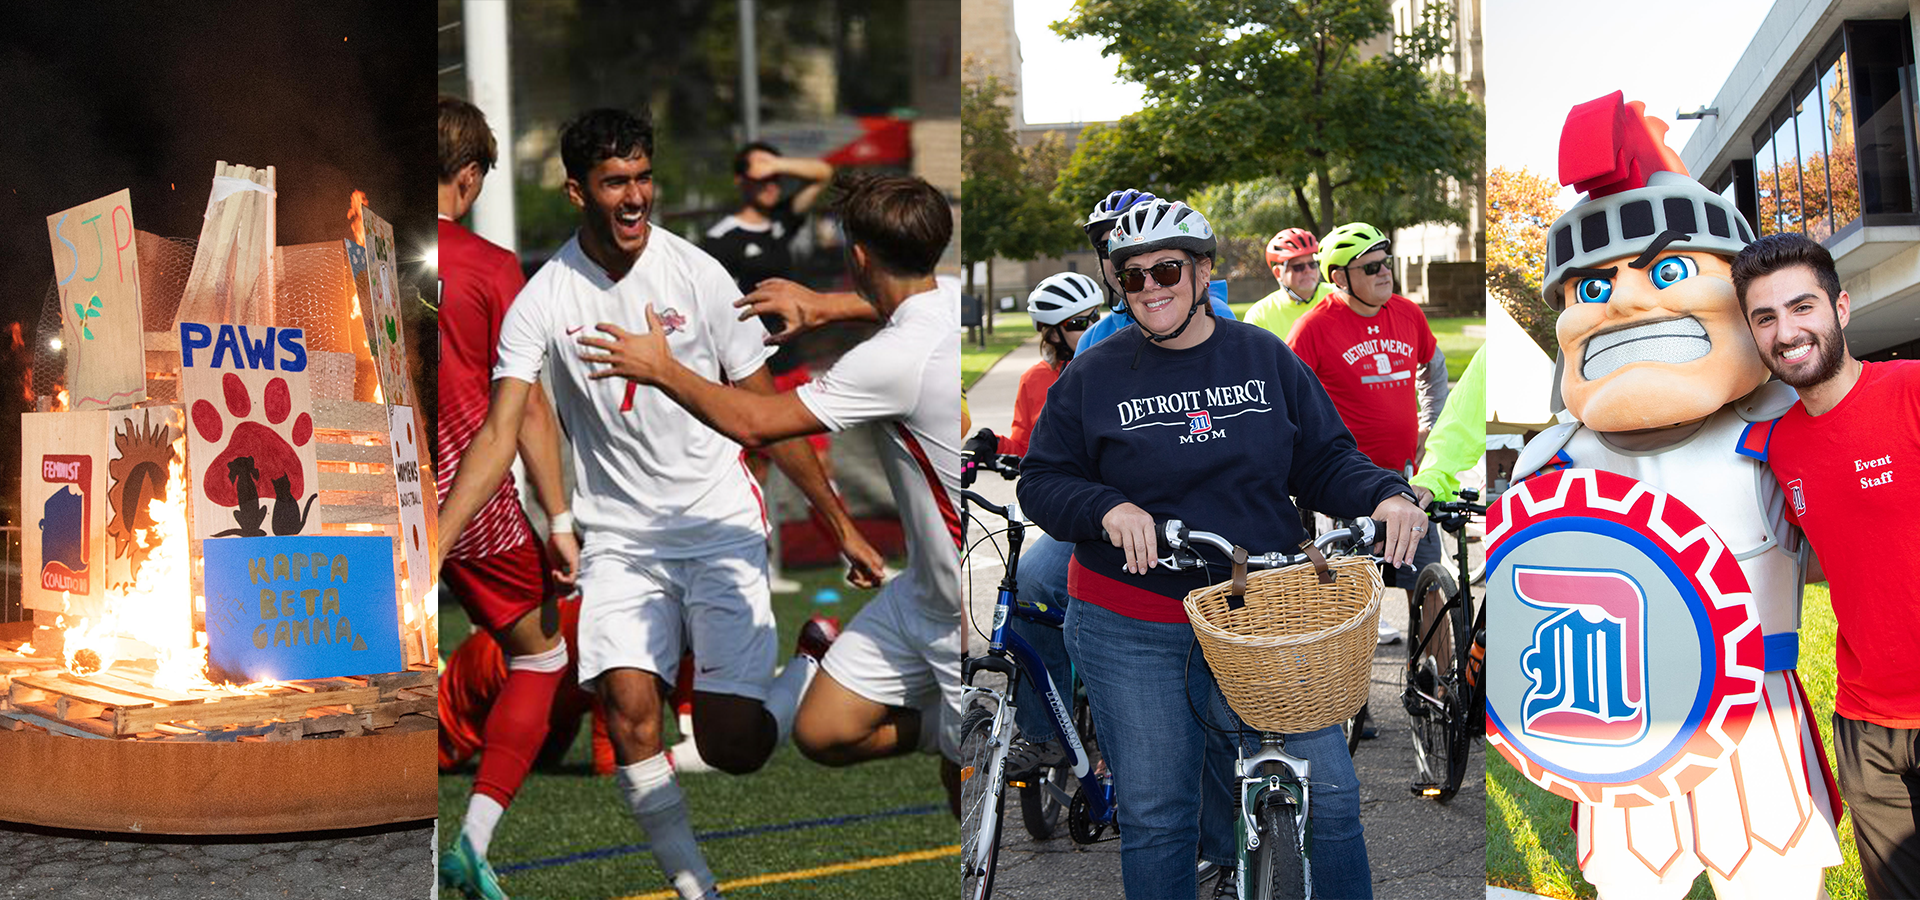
(1587, 664)
(1199, 422)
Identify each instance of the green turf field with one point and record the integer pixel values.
(569, 836)
(1530, 848)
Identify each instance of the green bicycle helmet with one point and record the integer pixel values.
(1347, 243)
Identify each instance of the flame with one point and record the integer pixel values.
(157, 608)
(376, 394)
(354, 221)
(60, 401)
(25, 650)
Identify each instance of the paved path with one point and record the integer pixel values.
(394, 863)
(1418, 849)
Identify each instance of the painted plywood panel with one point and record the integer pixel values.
(143, 446)
(98, 272)
(63, 497)
(376, 280)
(285, 608)
(250, 440)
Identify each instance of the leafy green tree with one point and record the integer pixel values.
(1254, 89)
(1005, 201)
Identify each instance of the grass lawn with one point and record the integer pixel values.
(1530, 848)
(568, 835)
(1458, 347)
(1010, 330)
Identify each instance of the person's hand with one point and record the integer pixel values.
(563, 549)
(1406, 525)
(866, 568)
(640, 357)
(1131, 529)
(795, 306)
(983, 444)
(761, 165)
(1425, 496)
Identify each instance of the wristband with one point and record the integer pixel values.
(560, 523)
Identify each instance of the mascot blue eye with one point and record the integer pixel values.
(1594, 290)
(1673, 269)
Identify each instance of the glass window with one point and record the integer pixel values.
(1881, 56)
(1768, 189)
(1785, 150)
(1843, 171)
(1815, 201)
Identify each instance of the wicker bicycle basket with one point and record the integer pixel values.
(1297, 657)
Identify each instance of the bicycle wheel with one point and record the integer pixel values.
(1277, 869)
(1438, 754)
(1353, 728)
(980, 795)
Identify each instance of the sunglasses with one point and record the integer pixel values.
(1372, 268)
(1081, 323)
(1300, 267)
(1165, 274)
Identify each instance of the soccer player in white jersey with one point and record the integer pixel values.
(673, 527)
(892, 680)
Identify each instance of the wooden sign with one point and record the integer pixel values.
(250, 441)
(416, 531)
(98, 272)
(232, 275)
(63, 503)
(287, 608)
(376, 279)
(138, 458)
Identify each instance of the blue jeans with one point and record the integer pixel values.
(1139, 677)
(1042, 578)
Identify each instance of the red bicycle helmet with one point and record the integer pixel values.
(1289, 244)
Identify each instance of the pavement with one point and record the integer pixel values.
(389, 862)
(1418, 849)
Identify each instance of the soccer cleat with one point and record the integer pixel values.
(465, 871)
(816, 636)
(1026, 758)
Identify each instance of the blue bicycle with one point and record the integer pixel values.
(988, 731)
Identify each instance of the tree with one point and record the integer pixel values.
(1005, 200)
(1521, 206)
(1277, 88)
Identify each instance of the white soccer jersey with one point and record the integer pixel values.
(906, 381)
(646, 469)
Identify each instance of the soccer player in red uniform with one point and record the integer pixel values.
(496, 568)
(471, 683)
(1846, 454)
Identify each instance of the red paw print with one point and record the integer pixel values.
(257, 459)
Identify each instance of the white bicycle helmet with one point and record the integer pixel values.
(1058, 298)
(1159, 225)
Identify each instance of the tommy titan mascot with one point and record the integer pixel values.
(1663, 385)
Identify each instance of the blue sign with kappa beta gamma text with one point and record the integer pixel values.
(287, 608)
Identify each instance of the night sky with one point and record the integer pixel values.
(95, 97)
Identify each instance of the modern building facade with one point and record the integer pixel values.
(1814, 131)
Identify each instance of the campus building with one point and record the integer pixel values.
(1814, 131)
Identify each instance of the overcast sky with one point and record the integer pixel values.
(1067, 81)
(1543, 58)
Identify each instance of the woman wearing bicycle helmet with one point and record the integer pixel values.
(1062, 307)
(1216, 423)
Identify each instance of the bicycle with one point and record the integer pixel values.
(1274, 796)
(987, 730)
(1444, 694)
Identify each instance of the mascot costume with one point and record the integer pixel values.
(1645, 582)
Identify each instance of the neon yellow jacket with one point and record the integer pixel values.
(1459, 436)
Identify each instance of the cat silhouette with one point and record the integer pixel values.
(288, 516)
(249, 512)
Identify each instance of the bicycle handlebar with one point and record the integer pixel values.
(1173, 544)
(1006, 465)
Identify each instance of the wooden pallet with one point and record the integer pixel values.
(119, 704)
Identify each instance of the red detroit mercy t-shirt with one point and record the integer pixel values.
(1369, 367)
(478, 281)
(1852, 478)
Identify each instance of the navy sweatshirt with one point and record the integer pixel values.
(1220, 436)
